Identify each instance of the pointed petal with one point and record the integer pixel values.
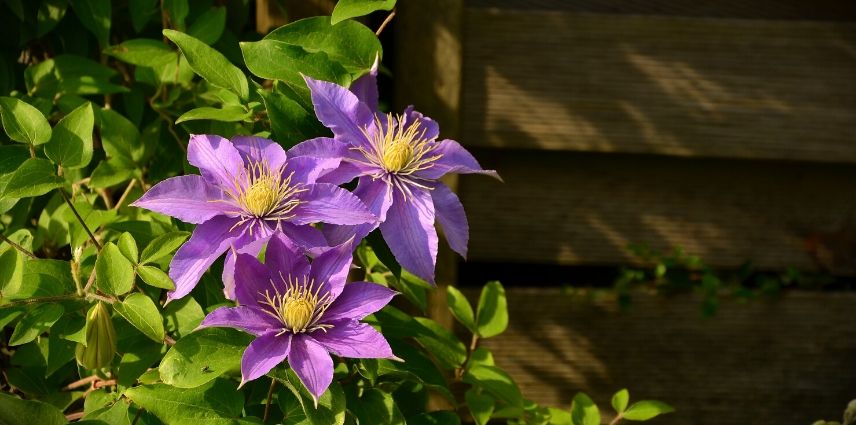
(247, 243)
(250, 320)
(454, 159)
(431, 128)
(331, 267)
(263, 354)
(307, 169)
(311, 363)
(339, 109)
(255, 149)
(358, 300)
(377, 195)
(325, 147)
(217, 159)
(188, 198)
(365, 87)
(283, 256)
(326, 203)
(251, 280)
(208, 241)
(409, 232)
(354, 340)
(450, 214)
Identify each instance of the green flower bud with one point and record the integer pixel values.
(100, 339)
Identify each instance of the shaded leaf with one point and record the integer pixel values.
(13, 409)
(460, 308)
(114, 274)
(71, 142)
(162, 246)
(203, 356)
(140, 311)
(23, 122)
(35, 323)
(492, 314)
(215, 403)
(210, 64)
(347, 9)
(228, 113)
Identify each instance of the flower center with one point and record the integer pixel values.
(265, 193)
(300, 307)
(397, 147)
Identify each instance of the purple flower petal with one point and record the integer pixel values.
(339, 109)
(217, 159)
(312, 364)
(264, 353)
(307, 169)
(325, 147)
(282, 256)
(248, 319)
(377, 195)
(431, 128)
(251, 280)
(365, 87)
(356, 340)
(247, 243)
(409, 232)
(450, 214)
(255, 149)
(305, 236)
(358, 300)
(208, 241)
(327, 203)
(454, 159)
(331, 268)
(188, 198)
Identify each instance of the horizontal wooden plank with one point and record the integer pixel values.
(832, 10)
(785, 361)
(663, 85)
(571, 208)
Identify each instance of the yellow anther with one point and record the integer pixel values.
(300, 307)
(297, 312)
(397, 155)
(261, 198)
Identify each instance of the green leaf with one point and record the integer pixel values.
(347, 9)
(228, 113)
(142, 52)
(492, 315)
(203, 356)
(277, 60)
(350, 43)
(496, 382)
(298, 406)
(156, 277)
(209, 26)
(11, 272)
(646, 409)
(183, 316)
(481, 406)
(120, 137)
(36, 322)
(442, 344)
(95, 16)
(35, 177)
(376, 407)
(49, 14)
(162, 246)
(110, 173)
(141, 12)
(23, 122)
(13, 410)
(290, 121)
(70, 74)
(620, 400)
(114, 274)
(584, 411)
(71, 141)
(437, 417)
(210, 64)
(460, 308)
(177, 11)
(215, 403)
(113, 414)
(140, 311)
(128, 247)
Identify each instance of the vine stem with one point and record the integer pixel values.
(79, 218)
(125, 194)
(269, 398)
(41, 300)
(385, 22)
(616, 420)
(23, 250)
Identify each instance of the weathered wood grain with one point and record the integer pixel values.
(569, 208)
(784, 361)
(684, 86)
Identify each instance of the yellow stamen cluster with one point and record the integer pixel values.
(398, 149)
(300, 307)
(263, 193)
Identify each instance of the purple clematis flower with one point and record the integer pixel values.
(302, 312)
(398, 161)
(248, 189)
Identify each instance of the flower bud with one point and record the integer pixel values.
(100, 339)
